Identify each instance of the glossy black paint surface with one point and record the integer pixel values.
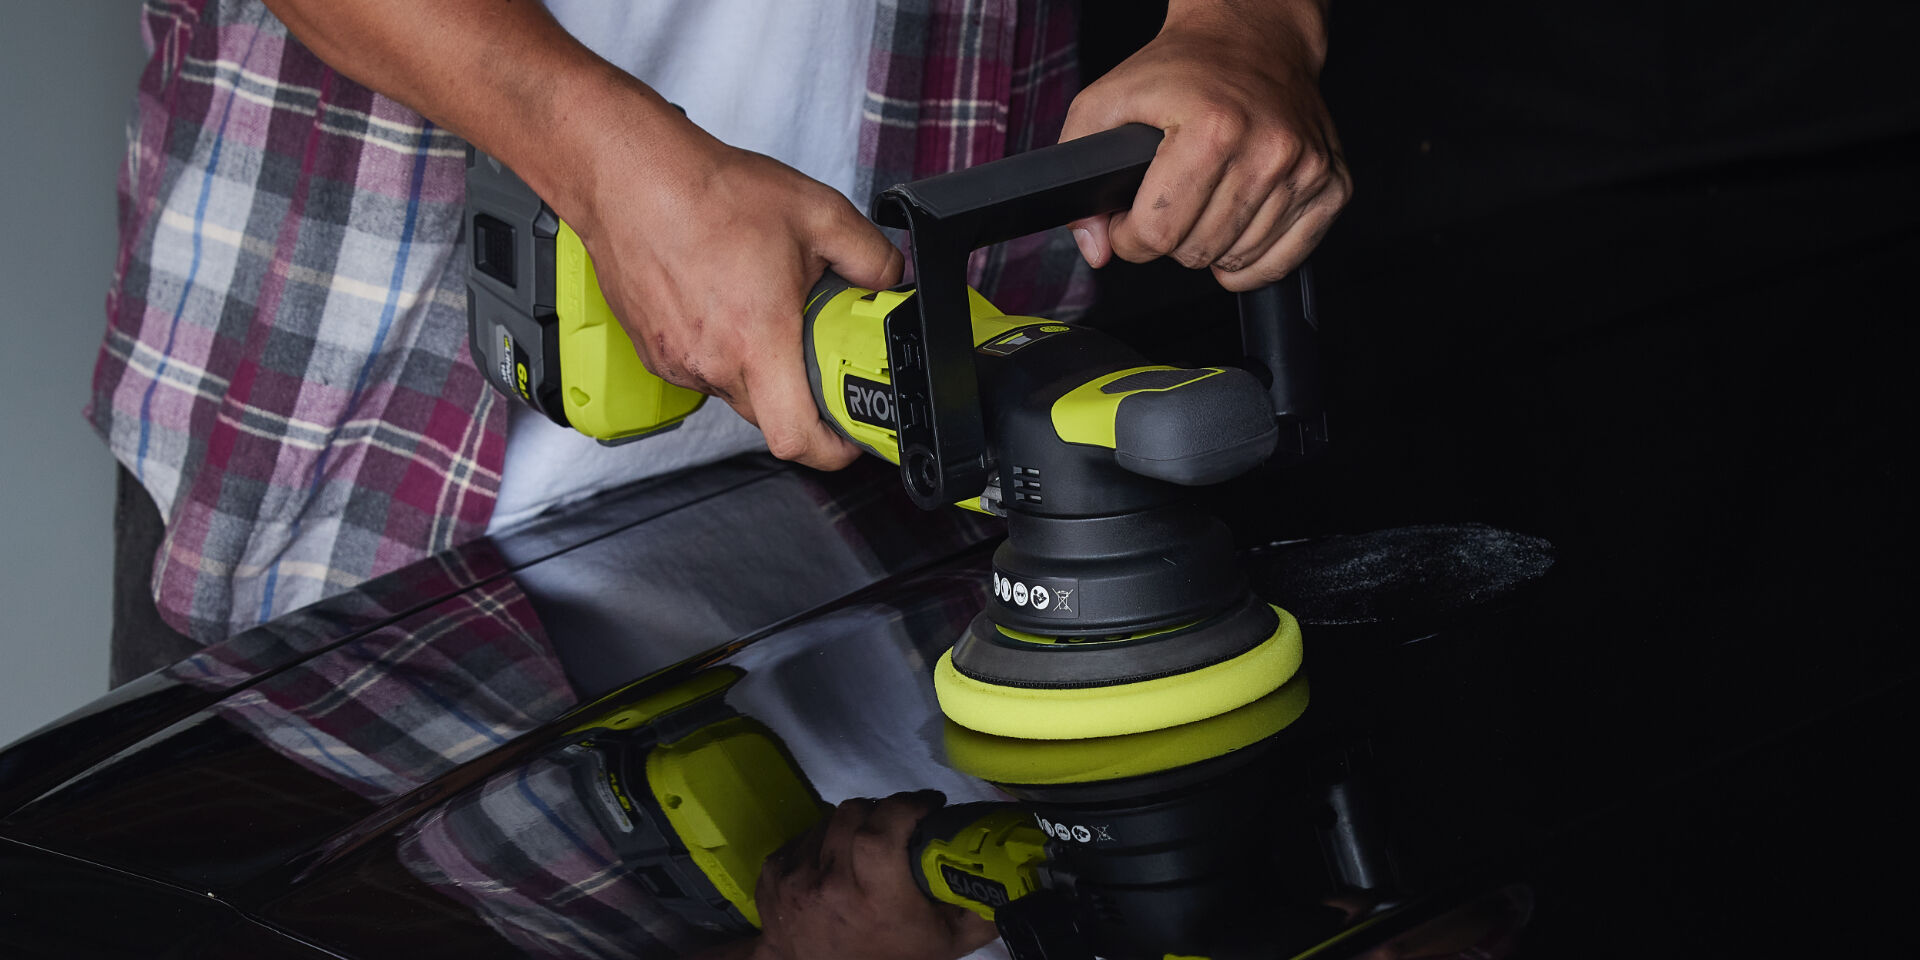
(197, 798)
(1465, 688)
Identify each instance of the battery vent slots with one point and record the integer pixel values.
(493, 248)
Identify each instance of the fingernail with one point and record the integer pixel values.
(1083, 238)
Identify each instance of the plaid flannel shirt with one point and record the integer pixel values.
(285, 367)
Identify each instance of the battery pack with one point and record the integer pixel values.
(538, 326)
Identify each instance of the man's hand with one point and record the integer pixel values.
(843, 891)
(706, 253)
(1249, 176)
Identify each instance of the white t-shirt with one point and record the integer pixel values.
(784, 79)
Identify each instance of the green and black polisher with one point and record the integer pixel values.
(1116, 604)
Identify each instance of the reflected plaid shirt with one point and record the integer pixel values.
(381, 699)
(285, 366)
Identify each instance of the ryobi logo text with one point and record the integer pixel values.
(977, 889)
(1073, 832)
(869, 402)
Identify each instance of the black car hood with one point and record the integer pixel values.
(377, 775)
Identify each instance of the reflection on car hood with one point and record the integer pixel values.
(385, 773)
(259, 770)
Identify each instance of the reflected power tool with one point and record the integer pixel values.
(1116, 848)
(1116, 606)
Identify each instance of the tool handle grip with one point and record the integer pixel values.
(943, 446)
(1028, 192)
(942, 440)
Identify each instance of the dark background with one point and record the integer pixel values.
(1637, 278)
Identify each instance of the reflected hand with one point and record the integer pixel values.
(844, 891)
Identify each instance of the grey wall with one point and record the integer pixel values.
(67, 74)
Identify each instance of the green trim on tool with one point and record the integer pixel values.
(1078, 713)
(1087, 413)
(1021, 762)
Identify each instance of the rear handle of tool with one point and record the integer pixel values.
(1278, 332)
(1025, 193)
(942, 443)
(1102, 173)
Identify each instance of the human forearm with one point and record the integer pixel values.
(503, 75)
(1296, 29)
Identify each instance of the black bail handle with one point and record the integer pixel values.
(943, 455)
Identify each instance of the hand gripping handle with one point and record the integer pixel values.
(943, 454)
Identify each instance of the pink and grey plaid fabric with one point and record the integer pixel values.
(955, 83)
(284, 367)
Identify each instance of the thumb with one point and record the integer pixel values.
(1091, 112)
(856, 249)
(1090, 235)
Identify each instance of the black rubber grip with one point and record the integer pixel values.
(1201, 432)
(1033, 191)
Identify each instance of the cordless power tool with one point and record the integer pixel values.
(1116, 604)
